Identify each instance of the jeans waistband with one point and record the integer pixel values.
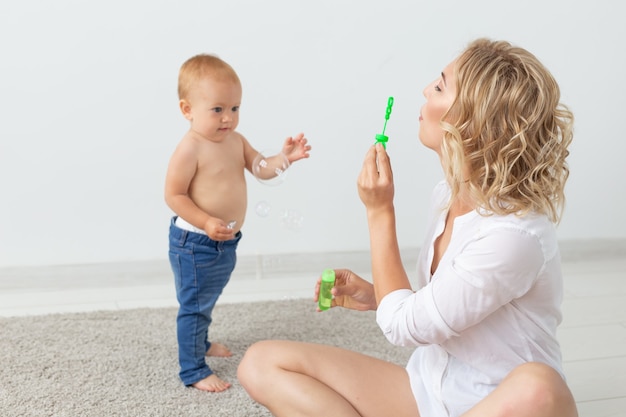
(182, 235)
(185, 225)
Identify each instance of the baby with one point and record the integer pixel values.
(205, 186)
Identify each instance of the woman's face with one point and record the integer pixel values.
(440, 95)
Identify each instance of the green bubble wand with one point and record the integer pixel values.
(381, 138)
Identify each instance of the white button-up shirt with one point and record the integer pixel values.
(492, 304)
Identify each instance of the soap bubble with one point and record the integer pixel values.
(270, 168)
(262, 208)
(292, 219)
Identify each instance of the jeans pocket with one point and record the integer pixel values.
(205, 256)
(176, 269)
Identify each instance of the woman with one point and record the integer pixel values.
(485, 314)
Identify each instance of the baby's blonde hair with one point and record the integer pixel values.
(507, 134)
(201, 66)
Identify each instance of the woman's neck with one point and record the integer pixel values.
(462, 202)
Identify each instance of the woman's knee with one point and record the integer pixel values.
(539, 375)
(250, 370)
(541, 387)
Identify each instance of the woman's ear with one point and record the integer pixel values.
(185, 109)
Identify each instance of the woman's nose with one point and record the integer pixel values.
(425, 91)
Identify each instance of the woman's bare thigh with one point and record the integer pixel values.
(374, 387)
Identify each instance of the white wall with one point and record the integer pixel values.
(89, 117)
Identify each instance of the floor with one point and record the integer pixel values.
(592, 335)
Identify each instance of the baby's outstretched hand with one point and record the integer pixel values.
(296, 148)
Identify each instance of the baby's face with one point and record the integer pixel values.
(213, 108)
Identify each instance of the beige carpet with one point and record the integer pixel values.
(124, 363)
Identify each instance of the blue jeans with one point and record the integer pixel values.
(202, 268)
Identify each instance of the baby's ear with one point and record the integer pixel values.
(185, 109)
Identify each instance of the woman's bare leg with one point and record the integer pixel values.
(302, 379)
(530, 390)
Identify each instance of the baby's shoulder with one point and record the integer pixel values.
(237, 137)
(185, 149)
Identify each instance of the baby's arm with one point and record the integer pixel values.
(294, 149)
(180, 172)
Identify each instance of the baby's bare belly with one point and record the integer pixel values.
(228, 203)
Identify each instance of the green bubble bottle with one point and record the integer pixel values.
(327, 284)
(381, 138)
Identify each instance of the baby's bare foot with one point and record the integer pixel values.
(218, 349)
(212, 384)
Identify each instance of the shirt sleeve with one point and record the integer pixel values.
(489, 272)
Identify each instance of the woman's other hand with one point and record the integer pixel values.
(350, 291)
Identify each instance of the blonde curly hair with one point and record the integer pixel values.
(506, 134)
